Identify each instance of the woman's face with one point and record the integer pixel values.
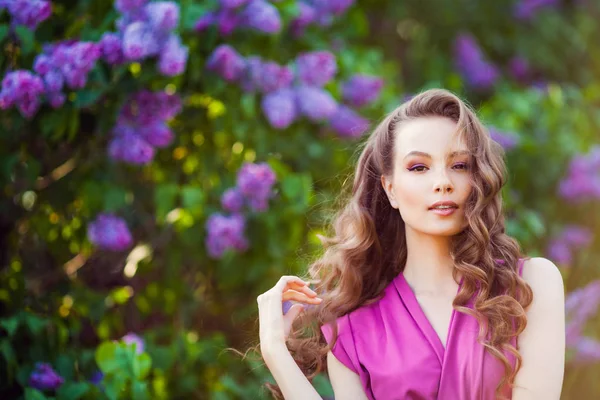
(430, 165)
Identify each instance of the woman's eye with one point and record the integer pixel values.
(461, 166)
(418, 168)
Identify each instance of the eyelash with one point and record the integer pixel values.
(414, 168)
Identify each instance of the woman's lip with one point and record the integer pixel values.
(443, 211)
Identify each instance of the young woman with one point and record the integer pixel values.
(422, 295)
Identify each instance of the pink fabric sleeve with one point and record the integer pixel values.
(345, 348)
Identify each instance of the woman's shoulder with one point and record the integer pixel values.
(542, 275)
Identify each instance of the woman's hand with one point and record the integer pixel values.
(274, 325)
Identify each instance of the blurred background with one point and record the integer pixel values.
(162, 163)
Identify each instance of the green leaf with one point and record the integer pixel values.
(3, 31)
(106, 357)
(192, 198)
(114, 198)
(26, 37)
(164, 198)
(35, 323)
(141, 365)
(34, 394)
(86, 97)
(248, 105)
(139, 390)
(72, 390)
(10, 324)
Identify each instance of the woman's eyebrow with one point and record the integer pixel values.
(451, 155)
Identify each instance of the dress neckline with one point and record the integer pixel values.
(416, 311)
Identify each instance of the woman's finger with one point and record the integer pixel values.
(300, 297)
(304, 289)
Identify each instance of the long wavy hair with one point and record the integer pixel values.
(367, 249)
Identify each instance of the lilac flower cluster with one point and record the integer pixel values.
(508, 141)
(582, 182)
(527, 9)
(572, 238)
(254, 188)
(291, 92)
(320, 12)
(109, 232)
(132, 338)
(22, 89)
(29, 13)
(65, 64)
(581, 305)
(258, 15)
(472, 64)
(44, 377)
(146, 29)
(225, 233)
(141, 126)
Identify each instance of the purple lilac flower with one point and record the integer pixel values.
(265, 76)
(29, 12)
(315, 103)
(109, 232)
(336, 7)
(226, 62)
(232, 3)
(205, 21)
(129, 6)
(156, 134)
(280, 108)
(360, 90)
(44, 377)
(232, 200)
(519, 68)
(112, 48)
(507, 140)
(262, 16)
(163, 15)
(225, 233)
(582, 182)
(526, 9)
(42, 64)
(255, 182)
(22, 89)
(471, 63)
(173, 57)
(130, 148)
(139, 41)
(146, 107)
(316, 68)
(227, 20)
(571, 238)
(132, 338)
(56, 99)
(347, 123)
(587, 351)
(307, 14)
(580, 305)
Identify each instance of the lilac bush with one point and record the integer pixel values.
(255, 182)
(507, 140)
(315, 68)
(29, 13)
(315, 103)
(142, 127)
(581, 304)
(582, 182)
(527, 9)
(44, 377)
(109, 232)
(225, 233)
(347, 123)
(361, 89)
(571, 239)
(22, 89)
(472, 64)
(280, 108)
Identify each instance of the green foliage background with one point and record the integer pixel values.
(62, 301)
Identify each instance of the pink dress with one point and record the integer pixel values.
(397, 354)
